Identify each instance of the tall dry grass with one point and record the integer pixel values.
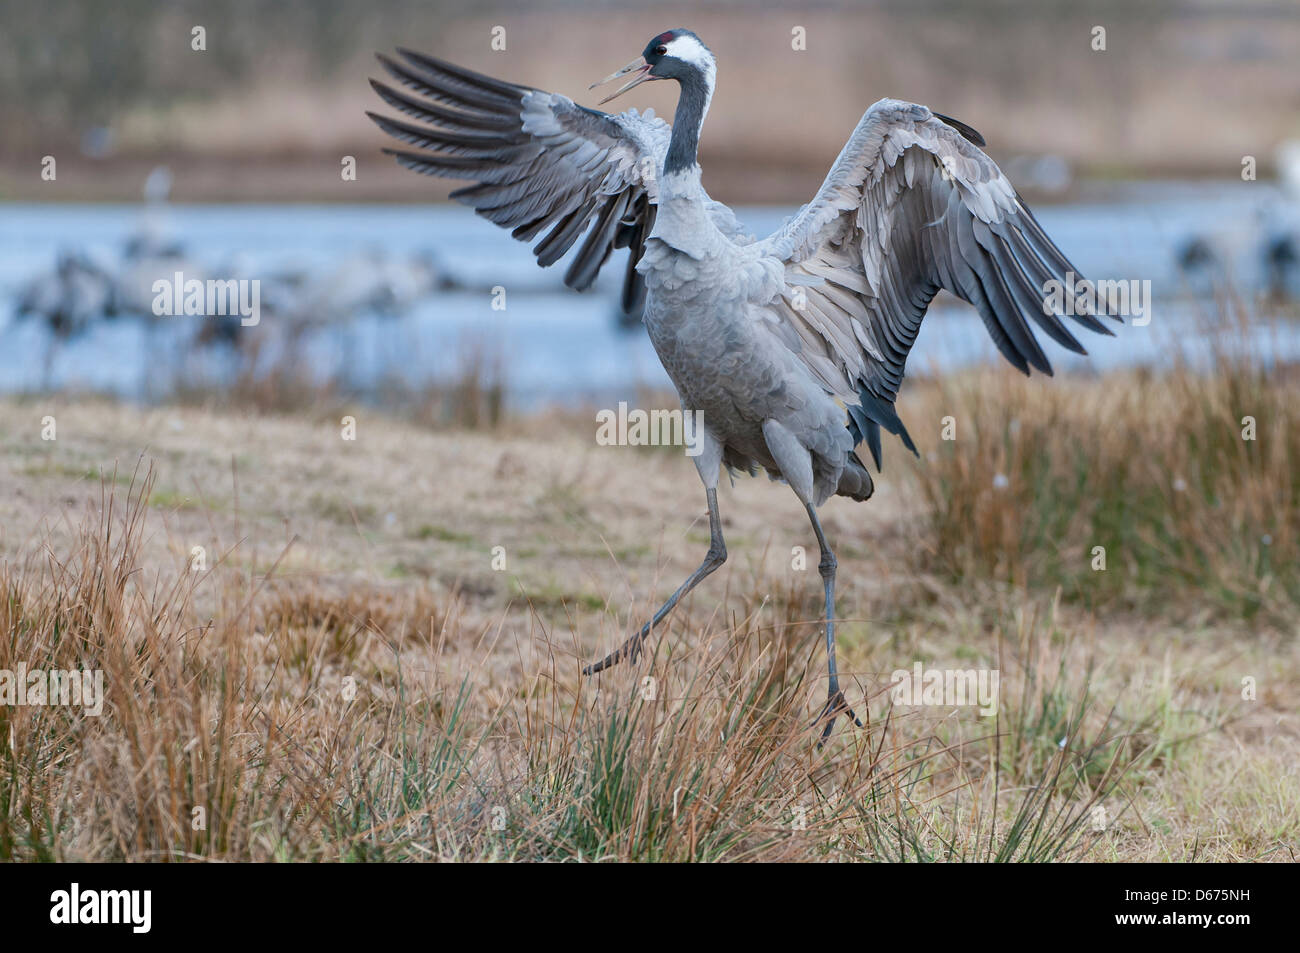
(249, 721)
(1187, 479)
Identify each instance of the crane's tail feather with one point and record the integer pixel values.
(855, 480)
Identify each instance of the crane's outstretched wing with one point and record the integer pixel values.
(912, 206)
(540, 161)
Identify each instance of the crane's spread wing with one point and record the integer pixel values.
(540, 162)
(912, 206)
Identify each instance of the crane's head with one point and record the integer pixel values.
(677, 54)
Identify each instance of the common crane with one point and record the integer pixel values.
(793, 346)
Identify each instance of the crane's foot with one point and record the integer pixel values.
(629, 650)
(835, 706)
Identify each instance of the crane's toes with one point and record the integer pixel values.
(835, 706)
(630, 650)
(612, 659)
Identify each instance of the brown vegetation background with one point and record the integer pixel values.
(279, 95)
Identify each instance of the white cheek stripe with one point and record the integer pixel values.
(691, 50)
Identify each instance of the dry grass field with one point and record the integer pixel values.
(377, 653)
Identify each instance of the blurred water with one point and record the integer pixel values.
(553, 344)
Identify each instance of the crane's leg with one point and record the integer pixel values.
(716, 556)
(47, 374)
(835, 703)
(794, 461)
(706, 450)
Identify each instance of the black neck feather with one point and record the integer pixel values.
(684, 144)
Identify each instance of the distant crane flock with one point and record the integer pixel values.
(82, 289)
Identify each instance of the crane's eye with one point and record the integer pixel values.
(661, 50)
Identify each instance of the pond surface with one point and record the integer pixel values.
(551, 344)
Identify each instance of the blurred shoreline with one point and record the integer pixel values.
(309, 179)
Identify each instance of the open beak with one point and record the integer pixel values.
(638, 66)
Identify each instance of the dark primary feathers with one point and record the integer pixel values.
(912, 206)
(541, 163)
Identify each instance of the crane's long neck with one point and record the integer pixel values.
(692, 105)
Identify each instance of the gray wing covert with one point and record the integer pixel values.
(911, 206)
(540, 162)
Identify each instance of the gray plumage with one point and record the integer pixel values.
(793, 346)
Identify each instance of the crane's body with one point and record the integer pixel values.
(709, 313)
(791, 347)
